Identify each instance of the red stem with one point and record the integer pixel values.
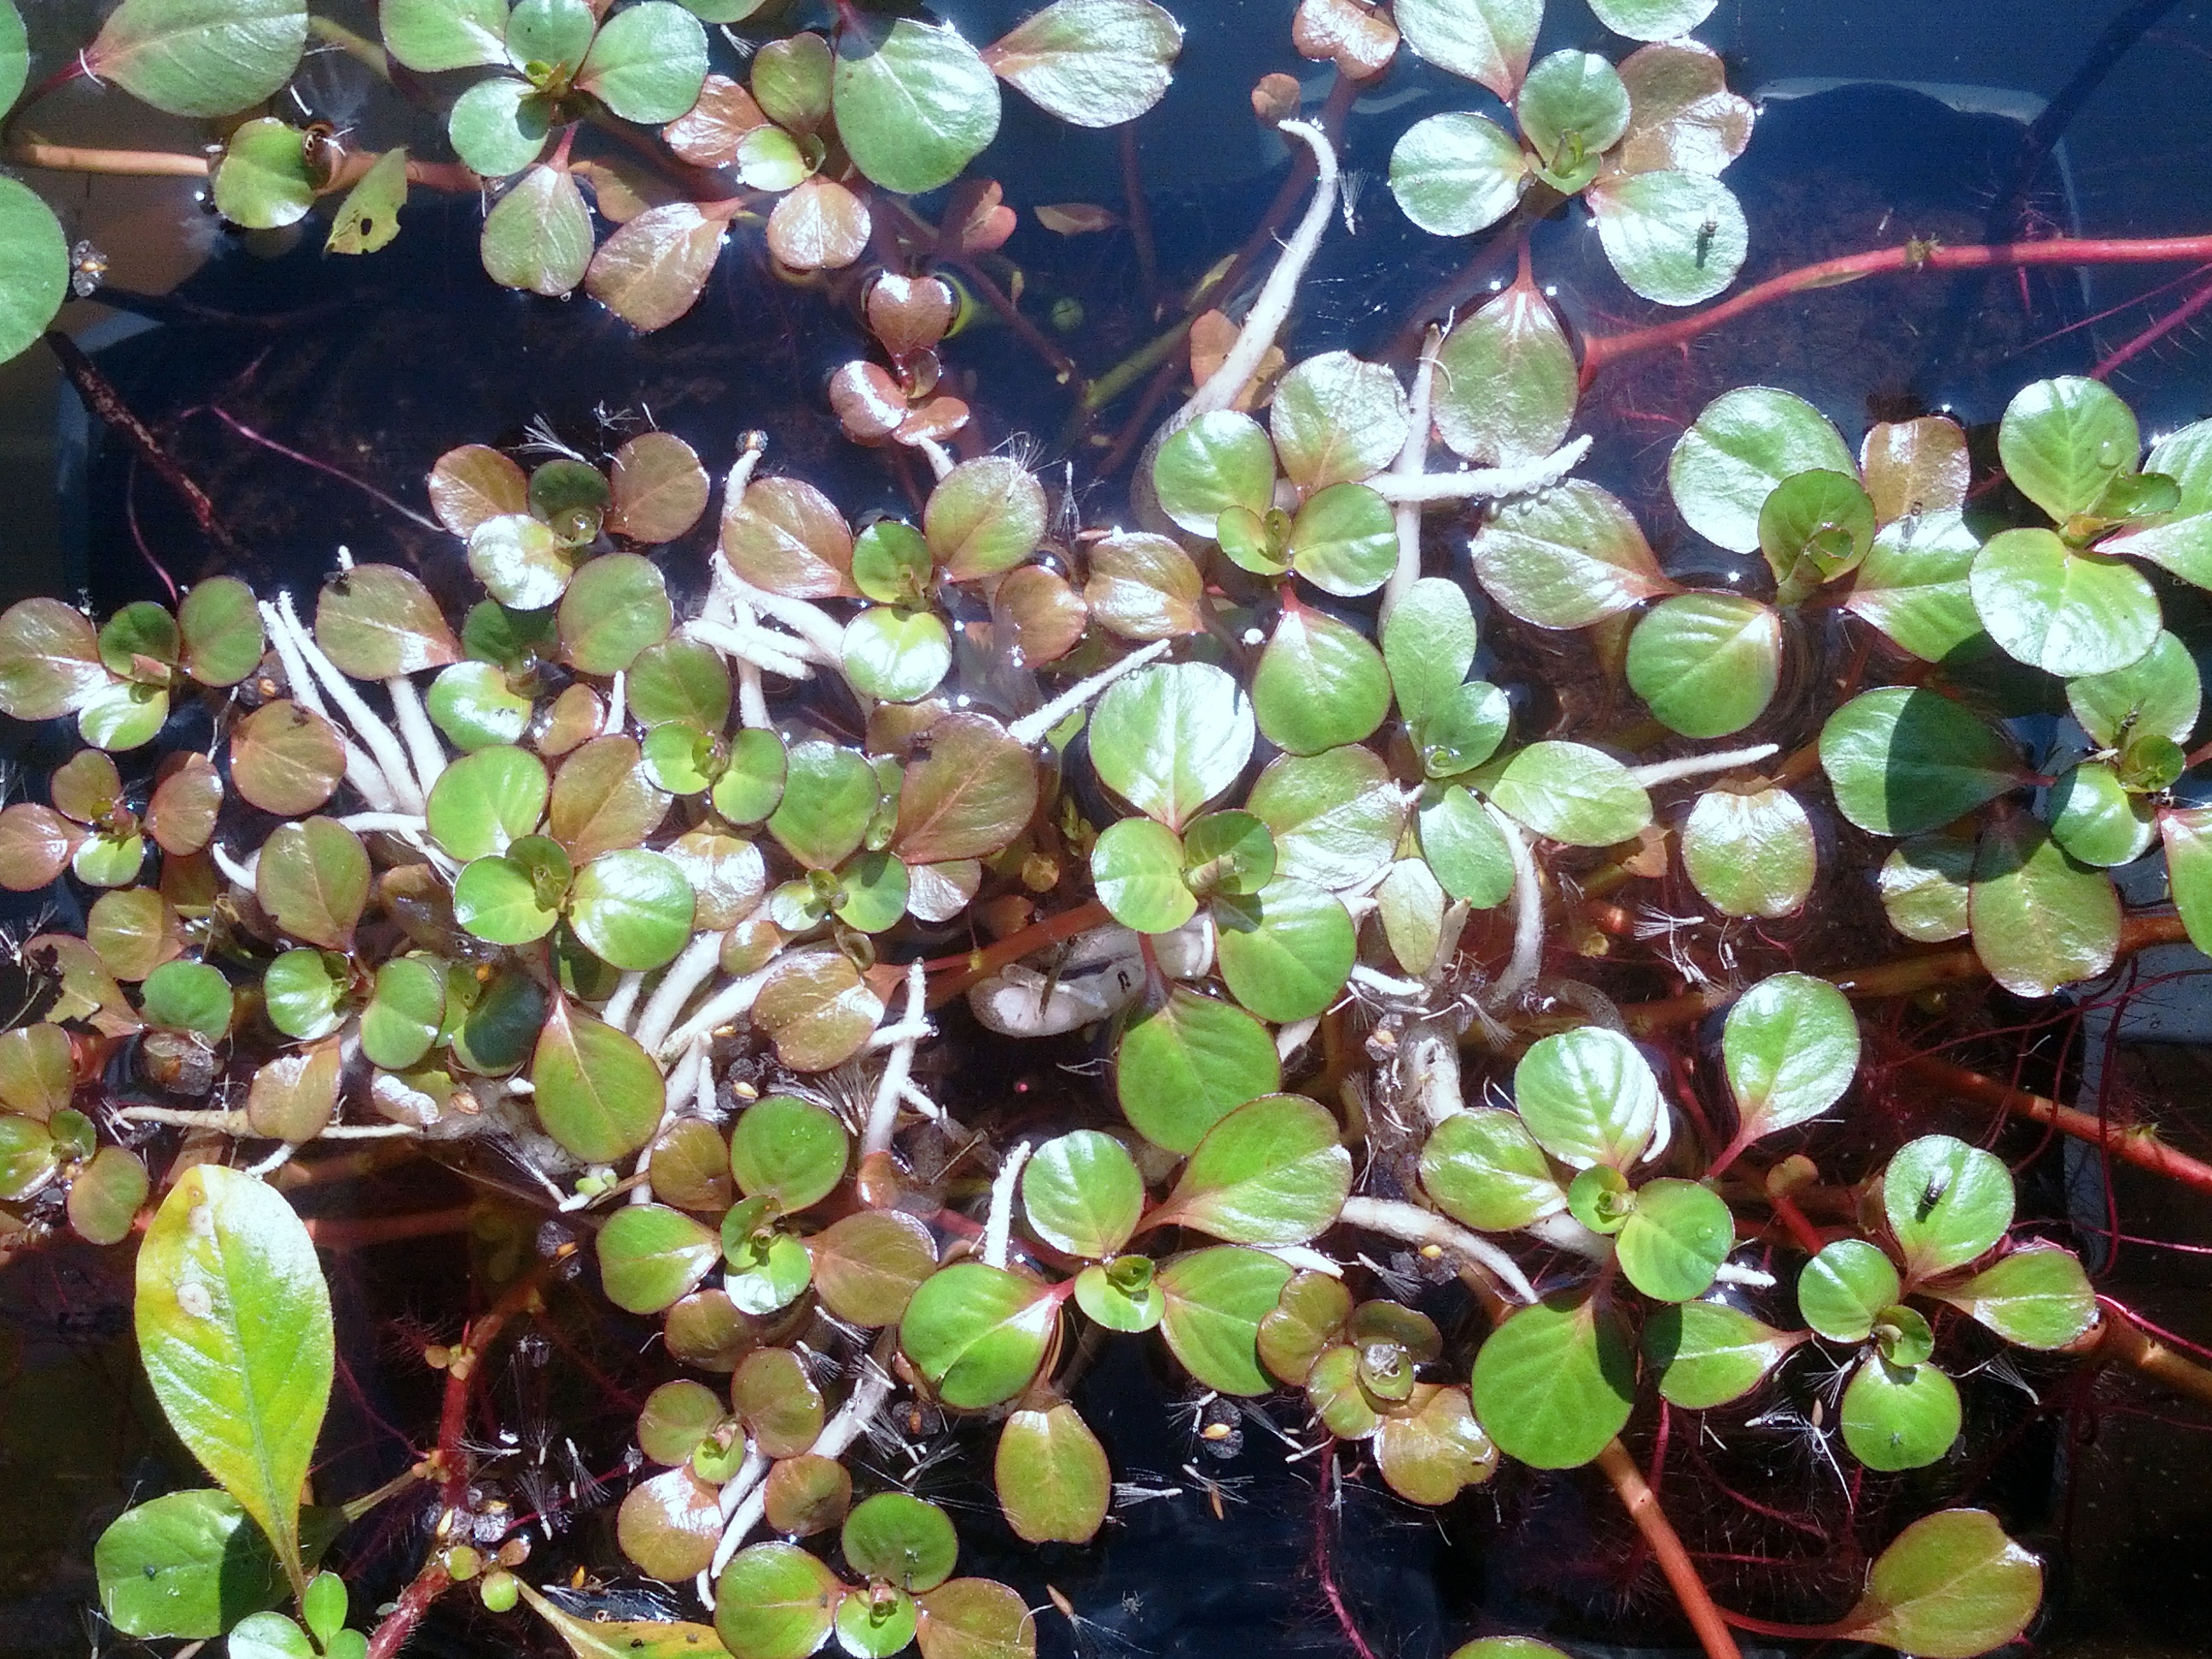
(1328, 1577)
(397, 1625)
(1601, 351)
(1643, 1506)
(2157, 331)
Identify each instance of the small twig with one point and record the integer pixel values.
(1527, 917)
(1698, 766)
(1412, 461)
(1032, 728)
(883, 1110)
(102, 397)
(1491, 483)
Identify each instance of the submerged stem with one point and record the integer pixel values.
(1666, 1546)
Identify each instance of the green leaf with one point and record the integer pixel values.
(1742, 446)
(632, 909)
(1457, 174)
(618, 1639)
(1083, 1195)
(1344, 540)
(1588, 1096)
(538, 237)
(498, 127)
(650, 1256)
(2067, 613)
(471, 704)
(775, 1602)
(1286, 950)
(1468, 853)
(1136, 868)
(979, 1333)
(431, 35)
(15, 55)
(2063, 442)
(1486, 41)
(976, 1618)
(1813, 528)
(1946, 1202)
(1750, 854)
(901, 1539)
(769, 1269)
(2036, 1297)
(1051, 1473)
(1708, 1353)
(2181, 540)
(1651, 20)
(1568, 792)
(2040, 919)
(1706, 663)
(406, 1012)
(1484, 1168)
(1273, 1171)
(1320, 684)
(1904, 760)
(1169, 738)
(1183, 1068)
(647, 63)
(268, 1636)
(200, 56)
(897, 656)
(1505, 382)
(234, 1331)
(1572, 107)
(29, 1158)
(34, 280)
(188, 996)
(2159, 694)
(1092, 63)
(1675, 1239)
(500, 900)
(1844, 1290)
(1220, 460)
(1336, 419)
(554, 34)
(314, 880)
(1950, 1586)
(376, 622)
(482, 802)
(614, 607)
(787, 1150)
(1122, 1295)
(1675, 237)
(1555, 1383)
(263, 180)
(828, 795)
(1791, 1048)
(1566, 558)
(2096, 820)
(37, 1071)
(596, 1091)
(1429, 643)
(1334, 817)
(1216, 1300)
(2187, 833)
(1899, 1417)
(1924, 888)
(914, 103)
(984, 517)
(189, 1564)
(1913, 585)
(49, 661)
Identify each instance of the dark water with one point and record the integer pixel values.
(374, 366)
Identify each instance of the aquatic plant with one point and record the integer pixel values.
(511, 891)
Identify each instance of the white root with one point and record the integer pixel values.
(824, 635)
(1395, 1218)
(683, 976)
(623, 1002)
(1272, 308)
(1492, 481)
(940, 463)
(752, 700)
(882, 1110)
(681, 1082)
(369, 726)
(617, 706)
(1428, 1071)
(725, 1005)
(1528, 918)
(997, 1229)
(240, 873)
(423, 747)
(1032, 728)
(1698, 766)
(868, 1396)
(755, 649)
(1412, 461)
(366, 777)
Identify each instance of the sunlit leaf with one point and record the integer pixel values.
(1092, 63)
(1052, 1476)
(538, 235)
(1946, 1202)
(189, 1564)
(914, 102)
(1949, 1586)
(596, 1091)
(2036, 1297)
(200, 56)
(1216, 1300)
(978, 1332)
(1457, 174)
(2064, 440)
(1903, 761)
(1487, 41)
(2040, 918)
(1708, 1353)
(1273, 1171)
(1682, 113)
(1286, 950)
(1554, 1383)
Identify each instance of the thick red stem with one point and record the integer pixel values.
(1601, 351)
(2144, 1151)
(1665, 1544)
(397, 1625)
